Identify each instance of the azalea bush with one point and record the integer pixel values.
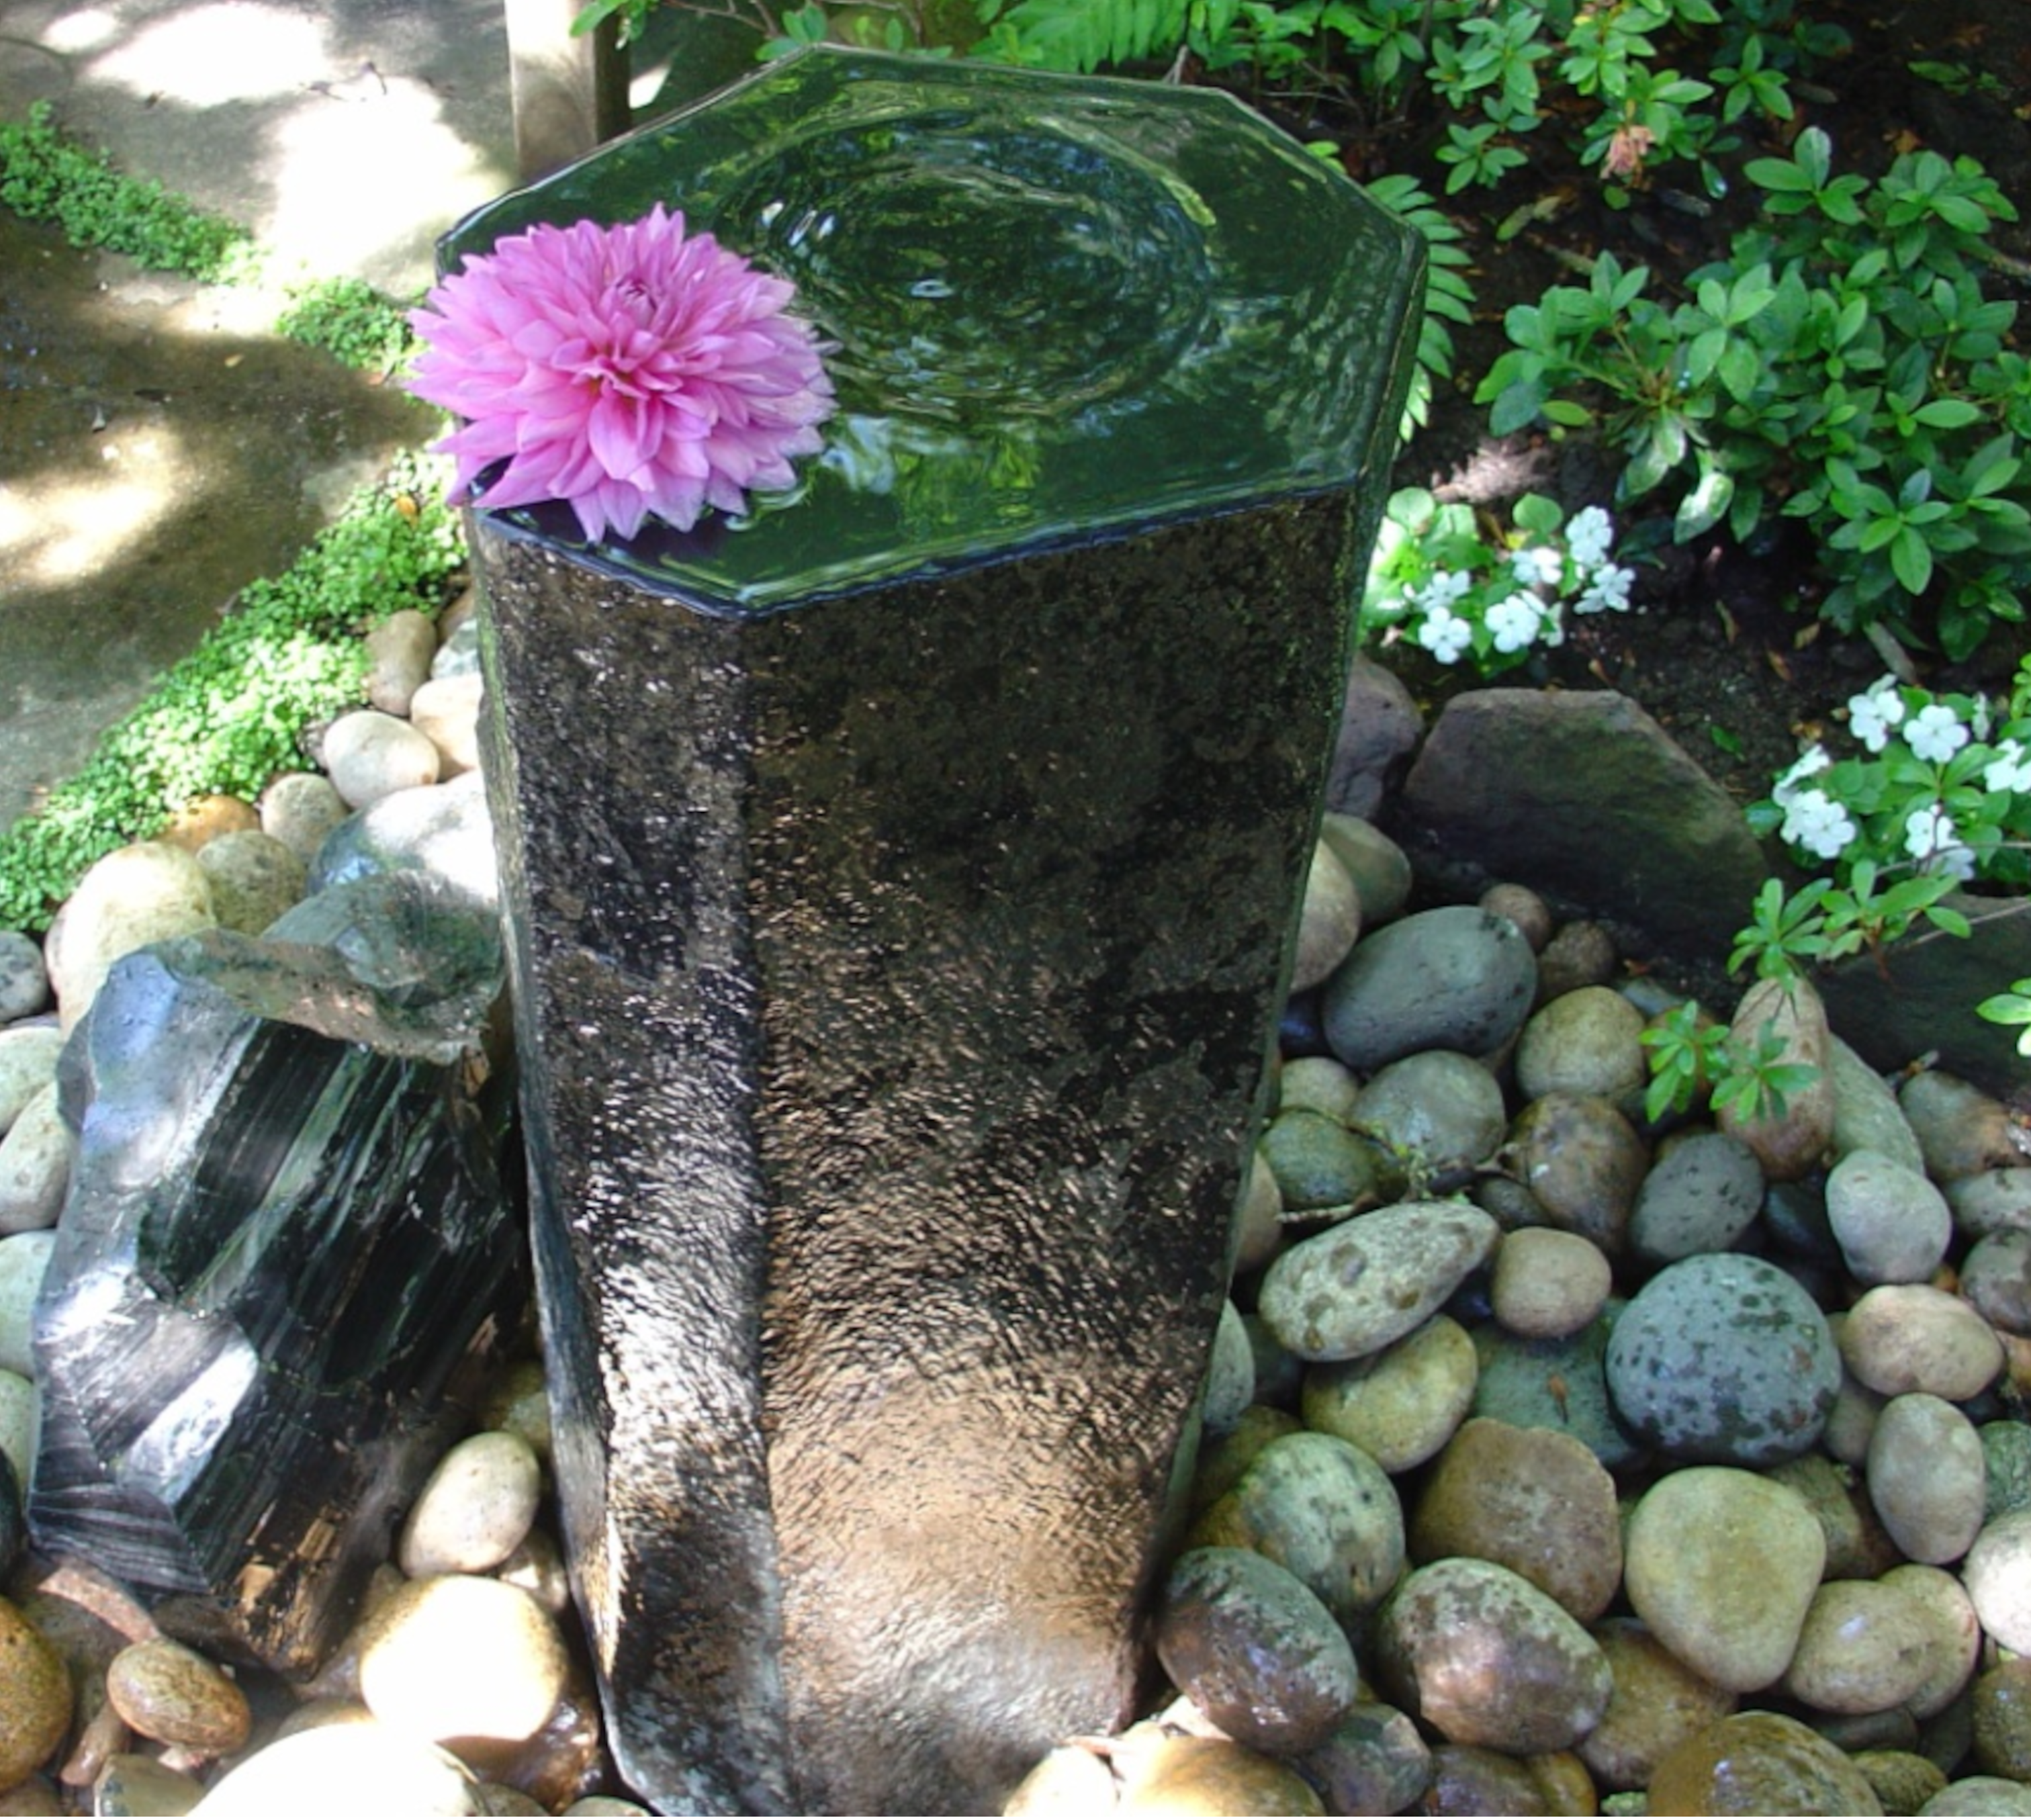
(1469, 591)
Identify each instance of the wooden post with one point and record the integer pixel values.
(568, 93)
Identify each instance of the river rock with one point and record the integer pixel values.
(1355, 1288)
(455, 1656)
(1375, 1762)
(19, 1420)
(1723, 1358)
(1866, 1114)
(1399, 1405)
(1381, 872)
(1657, 1703)
(1927, 1477)
(1891, 1224)
(1760, 1763)
(1790, 1143)
(1452, 978)
(1995, 1201)
(1864, 1648)
(1997, 1575)
(1722, 1565)
(2006, 1451)
(1702, 1195)
(1379, 727)
(1980, 1795)
(1548, 1284)
(368, 755)
(1858, 1547)
(1534, 1501)
(1318, 1084)
(1961, 1131)
(254, 878)
(1189, 1775)
(1329, 921)
(135, 895)
(1254, 1649)
(34, 1697)
(474, 1508)
(24, 981)
(358, 1768)
(300, 808)
(170, 1693)
(1071, 1780)
(1444, 1107)
(24, 1260)
(1904, 1337)
(1556, 1384)
(1583, 1163)
(1995, 1275)
(1953, 1634)
(1589, 1042)
(1316, 1162)
(1323, 1510)
(35, 1166)
(399, 650)
(445, 830)
(2001, 1700)
(1230, 1379)
(29, 1055)
(130, 1783)
(1484, 1658)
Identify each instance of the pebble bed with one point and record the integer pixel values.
(1555, 1461)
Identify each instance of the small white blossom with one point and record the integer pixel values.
(1445, 634)
(1536, 567)
(2010, 769)
(1446, 589)
(1514, 622)
(1935, 733)
(1589, 538)
(1931, 838)
(1609, 588)
(1978, 718)
(1813, 819)
(1811, 761)
(1871, 716)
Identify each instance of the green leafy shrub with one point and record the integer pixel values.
(46, 177)
(231, 715)
(350, 321)
(1843, 366)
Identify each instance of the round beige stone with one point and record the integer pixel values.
(1760, 1763)
(170, 1693)
(35, 1166)
(1904, 1336)
(29, 1055)
(1190, 1775)
(1401, 1405)
(147, 892)
(1548, 1284)
(368, 755)
(1329, 924)
(1997, 1575)
(454, 1656)
(1927, 1477)
(254, 877)
(1721, 1565)
(300, 808)
(1953, 1634)
(344, 1769)
(399, 650)
(1864, 1648)
(200, 822)
(446, 712)
(474, 1508)
(35, 1698)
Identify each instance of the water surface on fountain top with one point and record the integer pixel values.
(1062, 310)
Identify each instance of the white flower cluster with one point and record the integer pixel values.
(1532, 610)
(1813, 819)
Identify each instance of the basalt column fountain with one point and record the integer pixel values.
(900, 882)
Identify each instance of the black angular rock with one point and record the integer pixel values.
(286, 1238)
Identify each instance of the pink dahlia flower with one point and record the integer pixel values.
(625, 371)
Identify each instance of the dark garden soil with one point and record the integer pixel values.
(1725, 648)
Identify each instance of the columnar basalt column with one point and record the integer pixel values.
(899, 886)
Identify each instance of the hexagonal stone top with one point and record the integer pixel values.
(1064, 309)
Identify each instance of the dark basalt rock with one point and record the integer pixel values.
(286, 1236)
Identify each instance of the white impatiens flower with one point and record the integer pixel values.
(1813, 819)
(1446, 589)
(1589, 538)
(1811, 761)
(1931, 838)
(1871, 716)
(1935, 733)
(1536, 567)
(1514, 622)
(2010, 769)
(1609, 588)
(1445, 634)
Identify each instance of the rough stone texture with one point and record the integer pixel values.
(1379, 728)
(1760, 1763)
(798, 1009)
(1583, 795)
(1920, 999)
(445, 830)
(281, 1245)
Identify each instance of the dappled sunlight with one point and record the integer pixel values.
(217, 53)
(85, 29)
(58, 527)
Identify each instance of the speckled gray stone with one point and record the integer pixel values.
(1453, 978)
(24, 983)
(1702, 1195)
(1723, 1359)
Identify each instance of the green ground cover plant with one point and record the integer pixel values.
(350, 321)
(231, 715)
